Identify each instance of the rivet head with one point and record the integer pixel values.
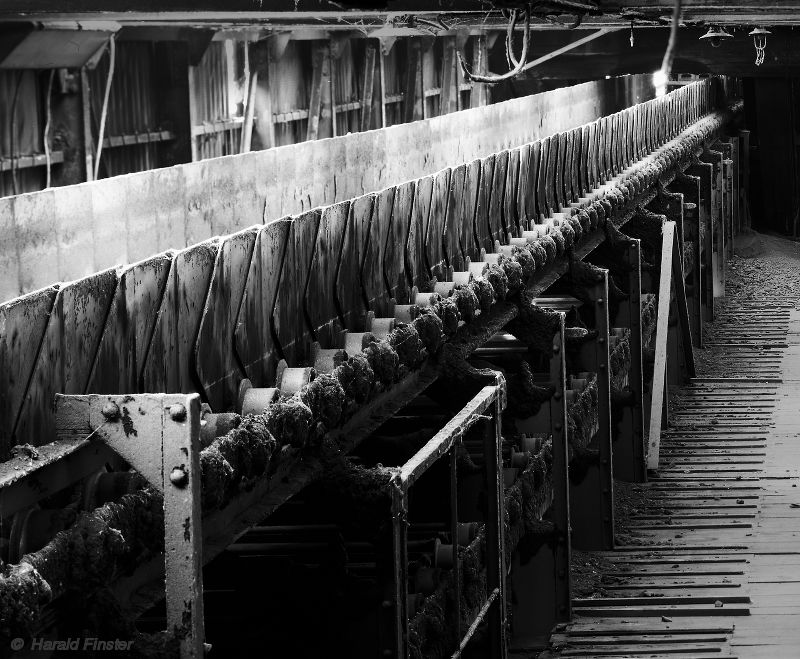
(557, 426)
(178, 477)
(177, 412)
(557, 395)
(110, 410)
(386, 604)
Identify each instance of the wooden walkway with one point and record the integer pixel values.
(712, 568)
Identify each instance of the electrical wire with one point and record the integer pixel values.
(46, 137)
(104, 112)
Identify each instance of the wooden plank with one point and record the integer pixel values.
(469, 210)
(482, 223)
(66, 353)
(450, 77)
(415, 247)
(573, 188)
(120, 358)
(585, 160)
(367, 86)
(319, 295)
(413, 101)
(169, 364)
(23, 322)
(434, 226)
(544, 183)
(679, 283)
(320, 78)
(218, 370)
(662, 327)
(287, 314)
(395, 272)
(253, 339)
(348, 292)
(497, 197)
(559, 197)
(455, 222)
(533, 202)
(510, 203)
(373, 281)
(525, 197)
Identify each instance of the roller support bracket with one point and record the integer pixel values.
(159, 435)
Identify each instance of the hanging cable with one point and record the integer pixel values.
(104, 112)
(46, 138)
(492, 79)
(511, 60)
(669, 53)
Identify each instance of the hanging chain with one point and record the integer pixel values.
(761, 47)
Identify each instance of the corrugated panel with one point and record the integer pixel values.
(394, 69)
(346, 87)
(216, 98)
(289, 92)
(20, 134)
(132, 107)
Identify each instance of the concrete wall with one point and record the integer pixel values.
(65, 233)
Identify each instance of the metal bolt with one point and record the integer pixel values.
(111, 411)
(556, 349)
(601, 340)
(557, 426)
(600, 301)
(602, 367)
(386, 604)
(178, 477)
(177, 412)
(557, 395)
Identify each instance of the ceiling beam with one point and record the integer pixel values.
(353, 12)
(612, 55)
(570, 46)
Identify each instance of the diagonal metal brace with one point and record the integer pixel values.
(159, 435)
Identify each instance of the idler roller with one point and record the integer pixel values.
(254, 400)
(105, 486)
(533, 443)
(405, 313)
(33, 528)
(354, 342)
(380, 327)
(509, 476)
(213, 425)
(324, 359)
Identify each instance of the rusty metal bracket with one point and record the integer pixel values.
(159, 435)
(489, 402)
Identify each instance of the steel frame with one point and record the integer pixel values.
(491, 399)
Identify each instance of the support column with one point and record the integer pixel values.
(592, 498)
(628, 445)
